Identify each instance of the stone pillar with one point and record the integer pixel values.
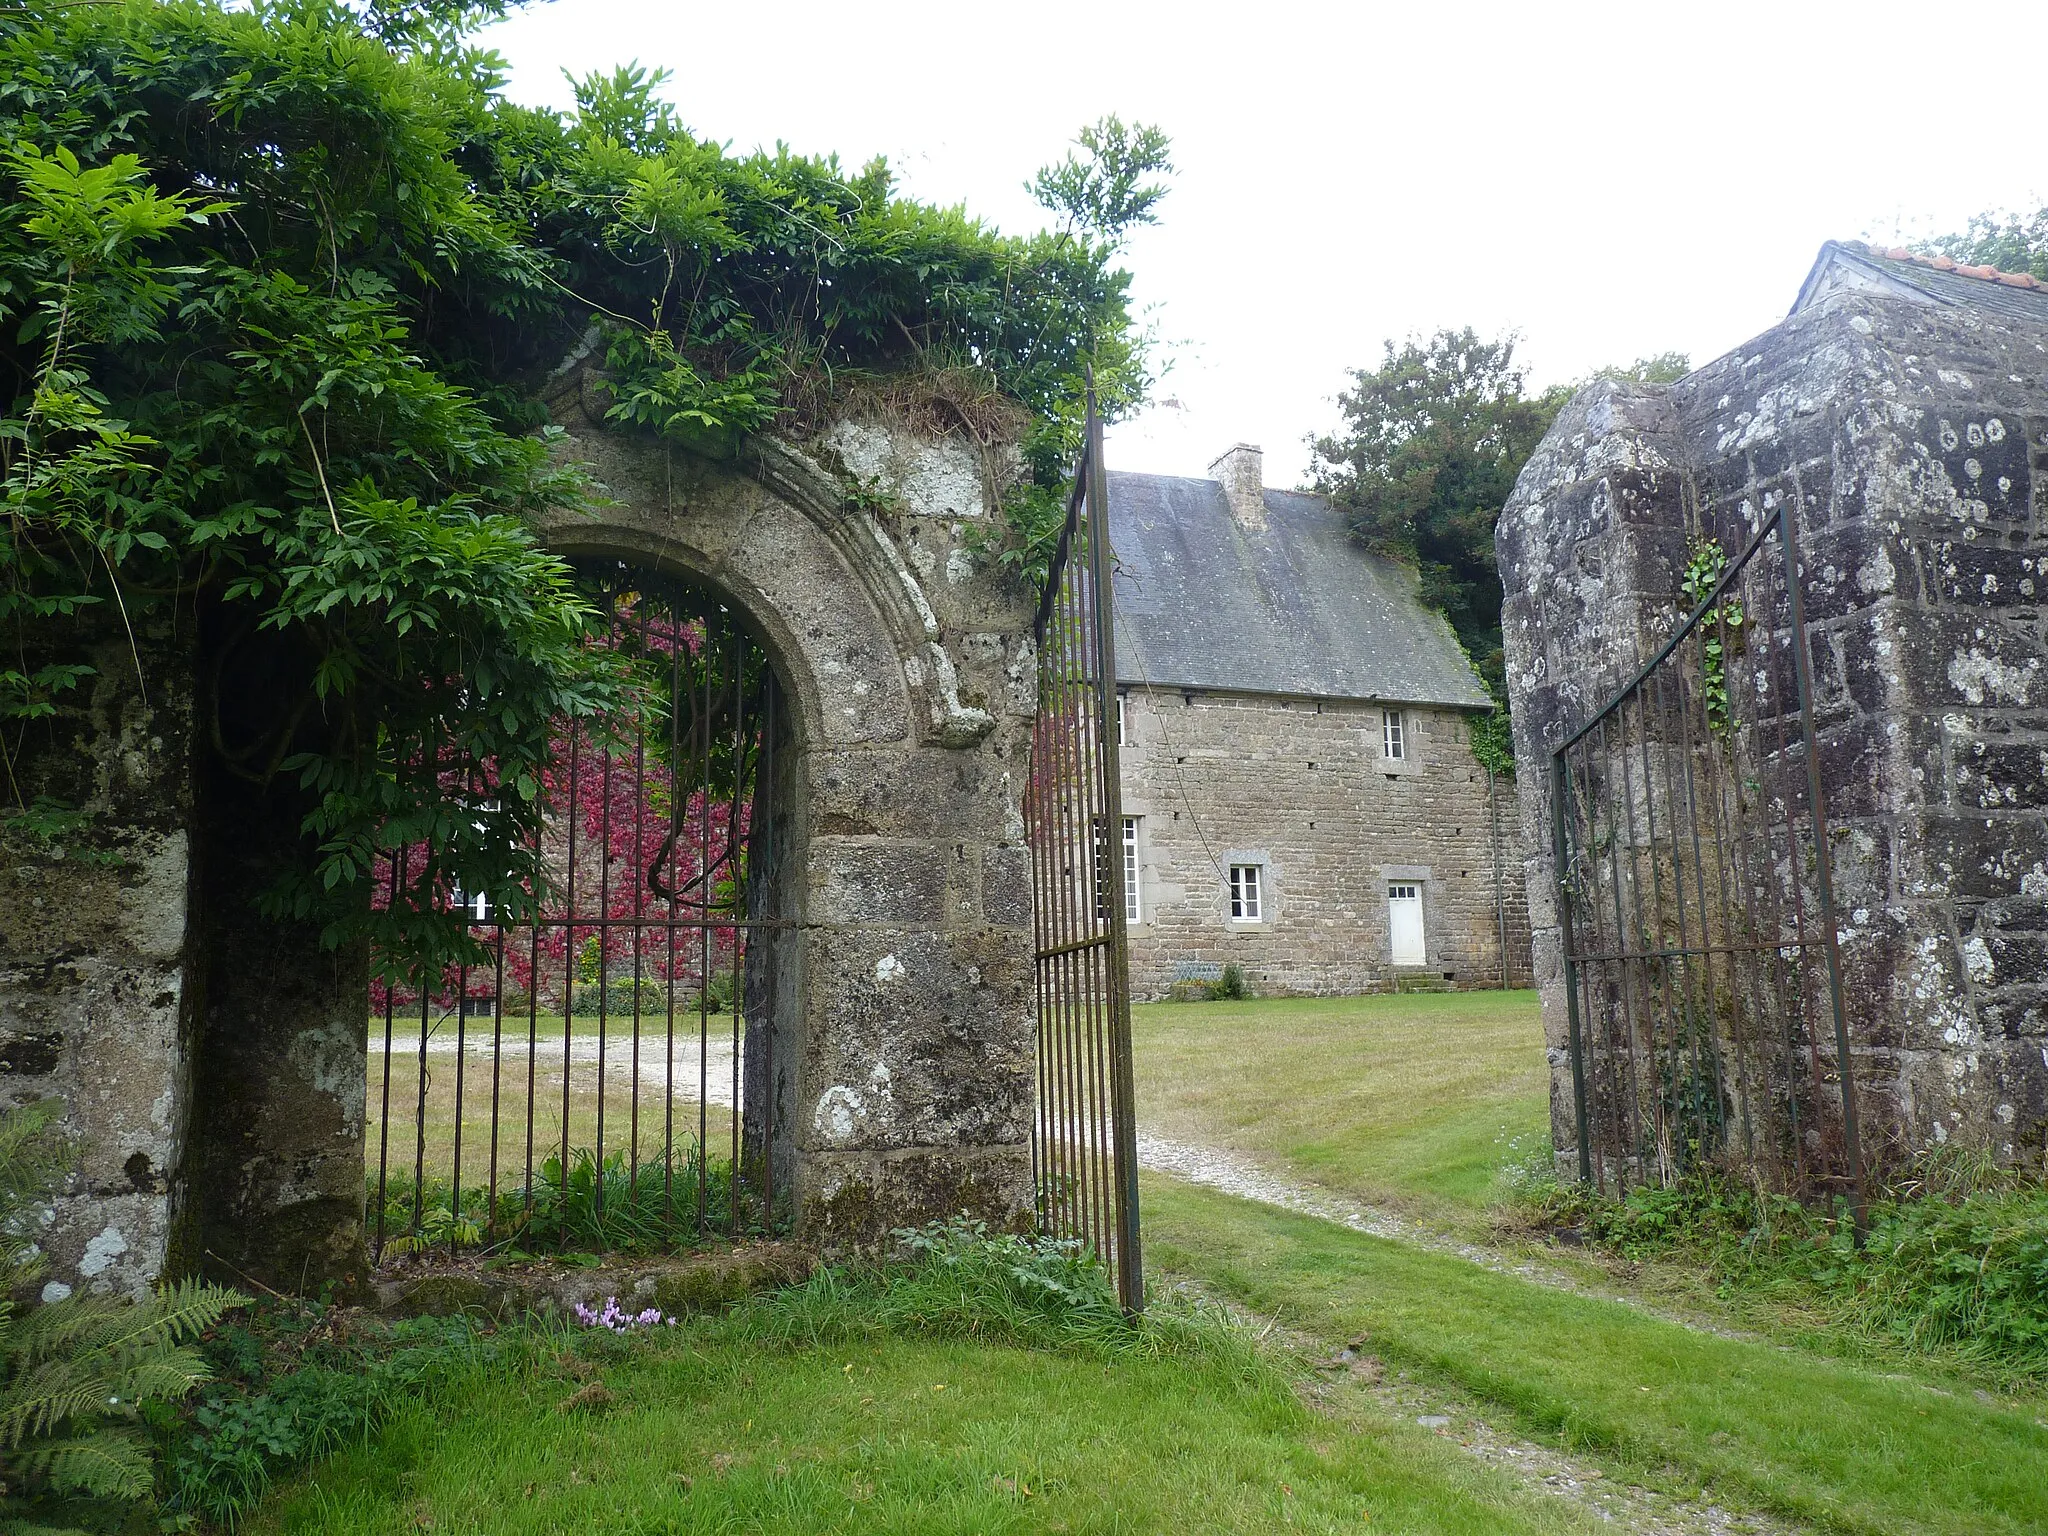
(1590, 547)
(900, 996)
(1906, 437)
(95, 994)
(210, 1063)
(275, 1172)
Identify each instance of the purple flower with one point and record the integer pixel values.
(616, 1319)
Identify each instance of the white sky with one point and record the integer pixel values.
(1609, 180)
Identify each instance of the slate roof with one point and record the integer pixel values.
(1924, 279)
(1296, 608)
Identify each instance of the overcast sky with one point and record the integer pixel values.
(1610, 181)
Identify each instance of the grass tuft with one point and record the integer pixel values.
(958, 1280)
(1954, 1263)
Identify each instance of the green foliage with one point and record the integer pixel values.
(1721, 631)
(1661, 368)
(295, 1384)
(76, 1375)
(1999, 237)
(279, 288)
(960, 1280)
(1431, 444)
(613, 1207)
(1954, 1262)
(1103, 191)
(1493, 741)
(1230, 986)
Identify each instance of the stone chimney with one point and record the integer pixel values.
(1242, 471)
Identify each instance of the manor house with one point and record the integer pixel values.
(1300, 796)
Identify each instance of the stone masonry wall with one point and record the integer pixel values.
(96, 1007)
(211, 1065)
(1910, 440)
(1300, 787)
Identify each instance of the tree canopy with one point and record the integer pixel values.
(2011, 242)
(1428, 452)
(279, 286)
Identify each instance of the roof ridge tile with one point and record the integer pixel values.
(1948, 264)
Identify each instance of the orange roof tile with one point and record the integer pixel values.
(1946, 264)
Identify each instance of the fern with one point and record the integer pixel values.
(76, 1374)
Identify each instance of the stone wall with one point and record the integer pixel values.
(96, 1004)
(1301, 788)
(1907, 438)
(211, 1063)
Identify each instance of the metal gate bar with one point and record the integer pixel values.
(633, 933)
(1696, 902)
(1084, 1141)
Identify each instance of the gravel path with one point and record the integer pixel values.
(1628, 1507)
(717, 1060)
(1235, 1174)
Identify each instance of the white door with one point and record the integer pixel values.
(1404, 924)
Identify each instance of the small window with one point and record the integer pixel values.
(1132, 911)
(1123, 731)
(1396, 734)
(1244, 893)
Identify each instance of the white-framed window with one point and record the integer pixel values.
(1246, 905)
(1123, 730)
(1133, 909)
(1395, 734)
(1404, 923)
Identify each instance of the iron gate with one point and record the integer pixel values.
(591, 1085)
(1084, 1145)
(1703, 983)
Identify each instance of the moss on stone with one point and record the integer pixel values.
(450, 1296)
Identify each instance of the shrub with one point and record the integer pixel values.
(618, 997)
(1230, 986)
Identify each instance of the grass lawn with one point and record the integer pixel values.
(1412, 1100)
(506, 1070)
(898, 1435)
(1826, 1442)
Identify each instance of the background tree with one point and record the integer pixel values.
(1431, 443)
(2011, 242)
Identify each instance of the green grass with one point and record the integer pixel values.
(1412, 1100)
(495, 1122)
(1824, 1441)
(857, 1405)
(702, 1437)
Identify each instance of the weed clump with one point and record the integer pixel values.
(292, 1384)
(1230, 986)
(957, 1279)
(1954, 1259)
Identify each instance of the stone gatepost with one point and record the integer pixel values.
(1907, 437)
(900, 998)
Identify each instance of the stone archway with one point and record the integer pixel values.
(213, 1063)
(903, 1017)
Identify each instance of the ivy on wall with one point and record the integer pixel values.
(279, 288)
